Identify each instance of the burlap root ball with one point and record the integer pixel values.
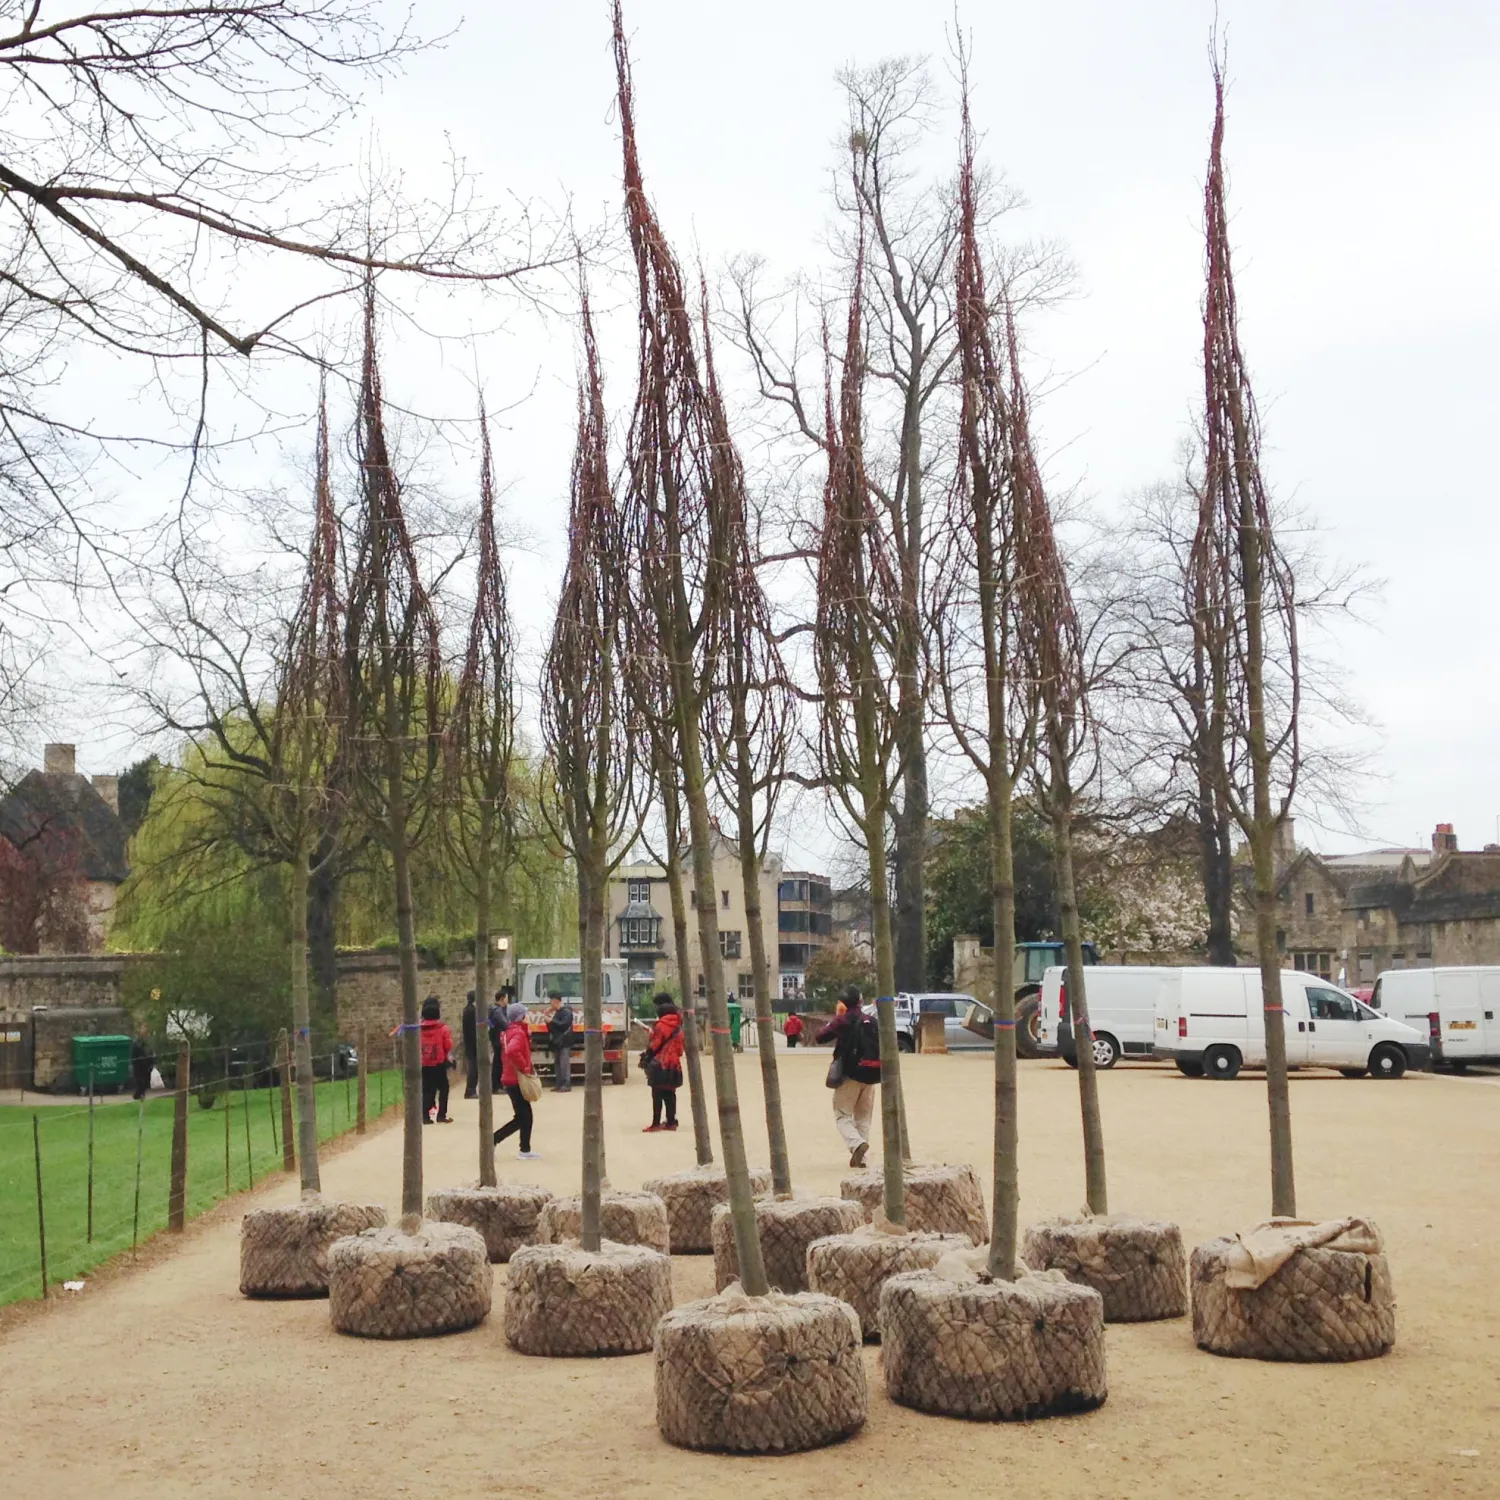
(992, 1350)
(854, 1267)
(691, 1198)
(770, 1374)
(625, 1218)
(940, 1198)
(786, 1226)
(1137, 1265)
(505, 1215)
(1322, 1305)
(394, 1284)
(562, 1299)
(284, 1251)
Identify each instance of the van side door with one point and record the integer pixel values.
(1460, 1016)
(1337, 1036)
(1295, 1018)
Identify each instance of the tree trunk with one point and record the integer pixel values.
(1216, 864)
(307, 1093)
(1061, 794)
(482, 883)
(591, 888)
(322, 926)
(1005, 1190)
(406, 941)
(700, 832)
(703, 1145)
(750, 869)
(892, 1162)
(910, 854)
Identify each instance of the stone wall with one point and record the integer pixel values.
(369, 995)
(65, 981)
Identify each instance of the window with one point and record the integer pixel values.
(724, 899)
(638, 891)
(640, 932)
(702, 988)
(729, 945)
(1318, 962)
(793, 921)
(1330, 1005)
(747, 988)
(1307, 902)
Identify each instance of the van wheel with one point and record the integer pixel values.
(1221, 1062)
(1187, 1068)
(1106, 1050)
(1387, 1062)
(905, 1043)
(1354, 1072)
(1029, 1025)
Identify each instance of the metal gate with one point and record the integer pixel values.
(15, 1054)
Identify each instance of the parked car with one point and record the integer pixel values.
(1456, 1007)
(954, 1009)
(1211, 1023)
(1122, 1011)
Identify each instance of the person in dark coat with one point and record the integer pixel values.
(142, 1060)
(471, 1046)
(503, 997)
(856, 1050)
(560, 1040)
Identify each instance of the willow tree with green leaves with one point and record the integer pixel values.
(394, 674)
(482, 825)
(1246, 592)
(854, 657)
(590, 739)
(679, 479)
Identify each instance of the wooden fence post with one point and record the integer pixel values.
(41, 1211)
(177, 1194)
(288, 1129)
(364, 1087)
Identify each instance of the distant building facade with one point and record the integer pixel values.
(804, 923)
(63, 857)
(639, 925)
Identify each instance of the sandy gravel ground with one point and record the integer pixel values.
(162, 1381)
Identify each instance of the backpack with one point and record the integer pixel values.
(862, 1050)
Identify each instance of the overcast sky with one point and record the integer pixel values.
(1361, 139)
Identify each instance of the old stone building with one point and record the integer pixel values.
(63, 858)
(638, 925)
(1357, 915)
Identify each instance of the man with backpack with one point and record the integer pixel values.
(854, 1073)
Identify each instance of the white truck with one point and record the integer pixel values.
(538, 978)
(1456, 1008)
(1122, 1011)
(1210, 1022)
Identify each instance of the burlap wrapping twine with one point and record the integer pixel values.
(958, 1344)
(769, 1374)
(564, 1300)
(786, 1226)
(1322, 1302)
(284, 1251)
(506, 1215)
(691, 1197)
(625, 1218)
(854, 1267)
(1137, 1265)
(395, 1284)
(940, 1198)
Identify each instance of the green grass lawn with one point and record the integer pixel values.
(65, 1157)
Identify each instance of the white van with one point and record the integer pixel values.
(1457, 1009)
(1122, 1011)
(1211, 1024)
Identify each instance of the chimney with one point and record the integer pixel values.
(108, 787)
(60, 760)
(1444, 840)
(1284, 845)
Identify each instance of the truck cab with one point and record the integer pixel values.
(537, 978)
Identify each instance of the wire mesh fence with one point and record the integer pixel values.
(81, 1183)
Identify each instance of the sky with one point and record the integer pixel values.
(1361, 146)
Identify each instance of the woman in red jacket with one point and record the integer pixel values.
(437, 1049)
(662, 1064)
(515, 1054)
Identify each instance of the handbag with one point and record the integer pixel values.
(835, 1072)
(530, 1086)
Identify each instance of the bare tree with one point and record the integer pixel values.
(483, 746)
(1241, 578)
(590, 739)
(678, 481)
(393, 663)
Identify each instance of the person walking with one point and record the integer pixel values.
(793, 1029)
(437, 1054)
(470, 1023)
(503, 996)
(516, 1054)
(854, 1072)
(662, 1063)
(142, 1060)
(560, 1041)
